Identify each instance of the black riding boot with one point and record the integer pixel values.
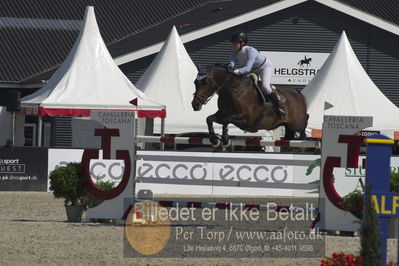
(277, 104)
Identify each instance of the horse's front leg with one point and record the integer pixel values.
(225, 136)
(212, 136)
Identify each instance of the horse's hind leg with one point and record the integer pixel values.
(212, 136)
(225, 136)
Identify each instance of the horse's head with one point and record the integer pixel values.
(205, 87)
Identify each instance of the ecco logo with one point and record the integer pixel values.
(260, 173)
(98, 168)
(164, 170)
(277, 174)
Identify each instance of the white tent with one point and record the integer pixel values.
(343, 83)
(170, 80)
(89, 79)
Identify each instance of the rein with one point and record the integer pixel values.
(204, 100)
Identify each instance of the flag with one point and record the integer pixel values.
(327, 106)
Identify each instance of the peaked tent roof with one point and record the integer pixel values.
(170, 80)
(28, 23)
(89, 79)
(344, 83)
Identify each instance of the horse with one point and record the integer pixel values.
(305, 61)
(239, 104)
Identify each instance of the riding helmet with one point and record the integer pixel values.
(239, 36)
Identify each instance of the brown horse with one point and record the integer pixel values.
(239, 104)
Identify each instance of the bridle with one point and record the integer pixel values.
(203, 99)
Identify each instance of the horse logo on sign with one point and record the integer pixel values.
(305, 61)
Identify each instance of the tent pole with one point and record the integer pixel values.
(134, 163)
(13, 128)
(162, 132)
(39, 131)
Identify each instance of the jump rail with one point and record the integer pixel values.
(254, 142)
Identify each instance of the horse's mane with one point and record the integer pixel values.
(220, 65)
(224, 67)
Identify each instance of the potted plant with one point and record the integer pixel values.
(102, 185)
(354, 200)
(67, 182)
(353, 203)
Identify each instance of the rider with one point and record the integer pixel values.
(253, 61)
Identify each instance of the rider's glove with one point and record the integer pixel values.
(236, 71)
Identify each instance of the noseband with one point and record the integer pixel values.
(204, 100)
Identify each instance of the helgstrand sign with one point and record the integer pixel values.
(292, 68)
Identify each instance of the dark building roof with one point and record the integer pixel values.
(36, 36)
(385, 9)
(206, 15)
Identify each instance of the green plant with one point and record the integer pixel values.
(355, 197)
(352, 199)
(66, 182)
(370, 235)
(394, 182)
(91, 201)
(105, 185)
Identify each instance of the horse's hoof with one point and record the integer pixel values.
(228, 144)
(215, 146)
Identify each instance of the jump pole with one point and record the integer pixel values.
(253, 142)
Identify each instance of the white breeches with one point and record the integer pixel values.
(265, 73)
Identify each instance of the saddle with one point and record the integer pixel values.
(258, 85)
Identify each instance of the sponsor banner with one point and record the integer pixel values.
(291, 68)
(262, 173)
(23, 169)
(279, 171)
(197, 171)
(361, 172)
(347, 178)
(350, 179)
(369, 133)
(101, 170)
